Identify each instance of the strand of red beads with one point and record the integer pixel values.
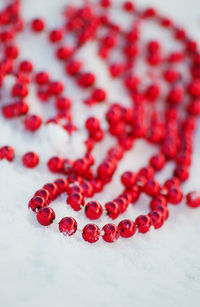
(171, 129)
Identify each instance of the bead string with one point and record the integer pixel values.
(171, 129)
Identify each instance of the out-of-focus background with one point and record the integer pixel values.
(40, 267)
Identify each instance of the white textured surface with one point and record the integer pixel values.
(38, 266)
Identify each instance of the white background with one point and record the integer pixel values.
(39, 266)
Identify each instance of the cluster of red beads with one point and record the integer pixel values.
(171, 130)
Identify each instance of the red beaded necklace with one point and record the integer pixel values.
(171, 129)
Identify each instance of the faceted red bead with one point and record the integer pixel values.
(158, 201)
(52, 189)
(68, 226)
(112, 209)
(172, 182)
(62, 184)
(128, 179)
(175, 195)
(44, 194)
(30, 159)
(7, 152)
(55, 164)
(158, 161)
(45, 216)
(143, 223)
(122, 202)
(147, 172)
(193, 199)
(110, 233)
(93, 210)
(127, 228)
(152, 187)
(74, 188)
(91, 233)
(80, 166)
(87, 189)
(97, 185)
(164, 211)
(76, 201)
(33, 122)
(36, 203)
(157, 219)
(182, 172)
(135, 193)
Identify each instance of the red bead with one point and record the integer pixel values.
(158, 201)
(73, 67)
(93, 210)
(7, 152)
(33, 122)
(26, 66)
(112, 209)
(158, 161)
(128, 179)
(193, 199)
(52, 189)
(147, 172)
(152, 187)
(143, 223)
(87, 189)
(63, 103)
(174, 195)
(128, 6)
(55, 164)
(122, 203)
(64, 52)
(157, 219)
(37, 25)
(127, 228)
(20, 90)
(74, 188)
(68, 226)
(111, 233)
(91, 233)
(76, 201)
(172, 182)
(80, 166)
(36, 203)
(42, 78)
(164, 211)
(55, 36)
(56, 88)
(30, 159)
(44, 194)
(135, 193)
(99, 95)
(62, 184)
(97, 185)
(86, 80)
(181, 172)
(11, 52)
(45, 216)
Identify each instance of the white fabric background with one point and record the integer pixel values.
(40, 267)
